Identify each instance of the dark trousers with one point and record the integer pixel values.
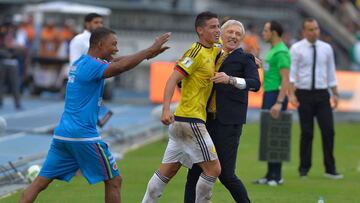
(10, 72)
(226, 139)
(316, 103)
(274, 168)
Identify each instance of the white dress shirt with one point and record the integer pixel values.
(302, 62)
(79, 45)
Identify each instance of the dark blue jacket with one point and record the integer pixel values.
(231, 103)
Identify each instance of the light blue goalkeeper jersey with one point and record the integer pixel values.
(83, 99)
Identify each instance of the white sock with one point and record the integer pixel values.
(204, 188)
(155, 187)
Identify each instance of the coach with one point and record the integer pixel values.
(236, 75)
(312, 73)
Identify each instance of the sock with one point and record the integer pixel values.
(204, 188)
(155, 187)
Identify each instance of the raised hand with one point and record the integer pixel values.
(157, 47)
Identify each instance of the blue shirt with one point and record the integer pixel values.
(84, 92)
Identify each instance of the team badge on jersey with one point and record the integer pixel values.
(114, 166)
(266, 67)
(187, 62)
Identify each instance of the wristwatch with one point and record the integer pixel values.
(232, 80)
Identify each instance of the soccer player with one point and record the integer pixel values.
(189, 140)
(226, 110)
(76, 143)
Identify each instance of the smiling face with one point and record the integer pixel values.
(231, 37)
(109, 46)
(210, 32)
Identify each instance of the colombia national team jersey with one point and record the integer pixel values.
(198, 66)
(84, 92)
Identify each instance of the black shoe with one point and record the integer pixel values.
(303, 174)
(335, 175)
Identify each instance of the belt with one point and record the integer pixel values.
(313, 90)
(211, 115)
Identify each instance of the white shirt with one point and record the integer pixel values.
(79, 45)
(302, 62)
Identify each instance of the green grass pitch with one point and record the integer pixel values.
(138, 166)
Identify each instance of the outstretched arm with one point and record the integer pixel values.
(126, 63)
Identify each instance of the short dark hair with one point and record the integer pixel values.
(99, 34)
(276, 26)
(203, 17)
(307, 20)
(89, 17)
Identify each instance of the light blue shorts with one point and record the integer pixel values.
(92, 158)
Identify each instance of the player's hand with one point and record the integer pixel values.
(275, 110)
(158, 46)
(167, 117)
(220, 77)
(293, 100)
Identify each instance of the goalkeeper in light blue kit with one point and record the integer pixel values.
(76, 143)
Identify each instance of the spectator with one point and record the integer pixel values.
(355, 54)
(251, 40)
(9, 63)
(49, 40)
(66, 34)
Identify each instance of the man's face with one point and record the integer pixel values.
(311, 31)
(267, 34)
(95, 23)
(210, 32)
(109, 47)
(231, 37)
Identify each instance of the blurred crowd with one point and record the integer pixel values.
(22, 45)
(347, 11)
(38, 55)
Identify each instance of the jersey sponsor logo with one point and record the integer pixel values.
(187, 62)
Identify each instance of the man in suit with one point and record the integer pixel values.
(226, 111)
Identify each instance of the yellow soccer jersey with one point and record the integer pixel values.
(198, 65)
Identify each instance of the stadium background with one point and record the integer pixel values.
(137, 22)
